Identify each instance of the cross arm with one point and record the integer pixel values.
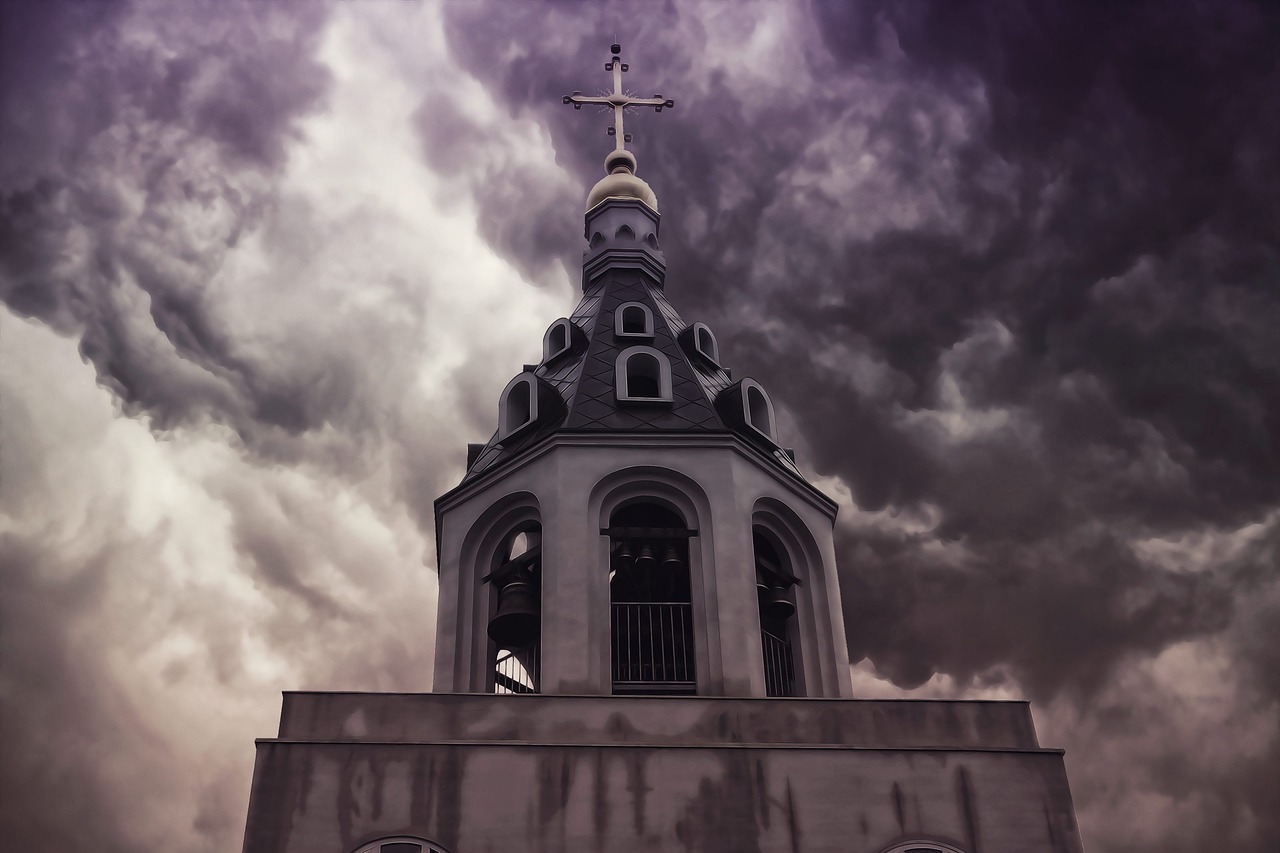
(578, 99)
(657, 101)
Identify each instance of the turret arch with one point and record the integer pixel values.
(787, 530)
(666, 485)
(400, 844)
(513, 521)
(922, 846)
(681, 616)
(789, 577)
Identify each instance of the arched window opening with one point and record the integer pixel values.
(633, 320)
(556, 341)
(400, 844)
(643, 375)
(624, 232)
(774, 585)
(707, 343)
(652, 240)
(650, 598)
(516, 611)
(758, 410)
(517, 406)
(596, 239)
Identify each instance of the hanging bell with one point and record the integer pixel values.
(671, 560)
(774, 603)
(645, 562)
(516, 622)
(625, 558)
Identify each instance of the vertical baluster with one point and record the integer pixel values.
(777, 668)
(685, 617)
(769, 687)
(664, 640)
(779, 665)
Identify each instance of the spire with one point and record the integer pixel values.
(620, 180)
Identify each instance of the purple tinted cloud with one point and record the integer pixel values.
(1009, 270)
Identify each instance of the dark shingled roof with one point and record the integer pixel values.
(585, 379)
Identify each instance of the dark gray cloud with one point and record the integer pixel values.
(1010, 269)
(120, 159)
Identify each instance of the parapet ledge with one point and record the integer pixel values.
(656, 721)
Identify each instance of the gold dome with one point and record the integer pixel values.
(621, 182)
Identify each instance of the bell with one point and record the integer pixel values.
(645, 561)
(516, 622)
(671, 560)
(625, 557)
(774, 603)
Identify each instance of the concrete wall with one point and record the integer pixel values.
(631, 777)
(663, 720)
(571, 488)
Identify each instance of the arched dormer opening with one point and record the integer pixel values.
(515, 611)
(518, 409)
(757, 410)
(526, 402)
(633, 320)
(700, 344)
(558, 340)
(650, 600)
(642, 375)
(706, 342)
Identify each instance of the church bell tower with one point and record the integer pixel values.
(640, 643)
(635, 526)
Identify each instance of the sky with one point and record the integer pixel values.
(1008, 270)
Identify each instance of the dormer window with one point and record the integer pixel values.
(518, 410)
(704, 343)
(557, 340)
(643, 375)
(633, 320)
(757, 410)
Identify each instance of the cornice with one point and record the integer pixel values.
(803, 489)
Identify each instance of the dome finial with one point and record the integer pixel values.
(620, 165)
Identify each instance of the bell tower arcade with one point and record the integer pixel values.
(678, 548)
(640, 643)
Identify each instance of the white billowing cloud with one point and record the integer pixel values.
(138, 615)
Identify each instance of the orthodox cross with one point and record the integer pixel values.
(618, 99)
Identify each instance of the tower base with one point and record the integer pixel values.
(465, 773)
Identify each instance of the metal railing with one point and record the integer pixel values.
(779, 669)
(653, 647)
(516, 670)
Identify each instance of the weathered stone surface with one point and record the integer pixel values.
(558, 773)
(655, 720)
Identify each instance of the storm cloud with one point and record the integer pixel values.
(1008, 270)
